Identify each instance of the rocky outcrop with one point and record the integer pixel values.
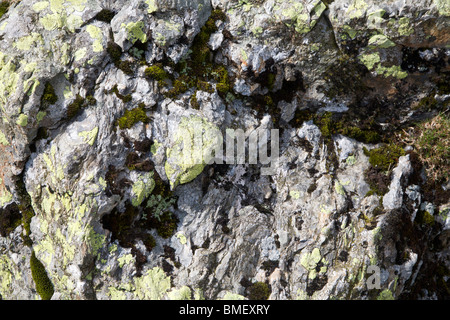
(102, 103)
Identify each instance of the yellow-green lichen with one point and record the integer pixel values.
(90, 136)
(7, 275)
(153, 285)
(3, 140)
(188, 157)
(142, 188)
(97, 35)
(443, 7)
(116, 294)
(182, 238)
(375, 18)
(8, 78)
(385, 295)
(232, 296)
(392, 71)
(380, 41)
(80, 54)
(351, 160)
(311, 260)
(294, 194)
(125, 260)
(152, 6)
(95, 240)
(404, 27)
(27, 42)
(39, 6)
(183, 293)
(370, 60)
(22, 120)
(135, 31)
(52, 21)
(339, 188)
(356, 9)
(155, 146)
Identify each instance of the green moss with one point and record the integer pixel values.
(204, 86)
(44, 286)
(114, 51)
(385, 157)
(424, 218)
(10, 219)
(259, 291)
(126, 67)
(48, 97)
(199, 70)
(127, 98)
(427, 103)
(366, 136)
(432, 143)
(131, 117)
(156, 72)
(194, 102)
(105, 15)
(4, 6)
(165, 224)
(179, 86)
(75, 107)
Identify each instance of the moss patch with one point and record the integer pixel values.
(44, 286)
(156, 72)
(105, 15)
(382, 161)
(259, 291)
(48, 97)
(198, 70)
(131, 117)
(385, 157)
(4, 6)
(10, 219)
(431, 140)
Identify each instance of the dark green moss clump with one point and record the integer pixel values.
(10, 219)
(44, 286)
(75, 107)
(127, 67)
(165, 225)
(424, 218)
(49, 96)
(105, 15)
(198, 71)
(385, 157)
(382, 161)
(131, 117)
(330, 124)
(156, 72)
(79, 103)
(427, 103)
(125, 98)
(4, 6)
(25, 208)
(259, 291)
(114, 51)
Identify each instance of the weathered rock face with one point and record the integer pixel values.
(101, 103)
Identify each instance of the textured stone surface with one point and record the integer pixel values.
(311, 230)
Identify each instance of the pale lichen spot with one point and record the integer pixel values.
(89, 137)
(96, 34)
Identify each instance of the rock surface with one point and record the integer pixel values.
(100, 101)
